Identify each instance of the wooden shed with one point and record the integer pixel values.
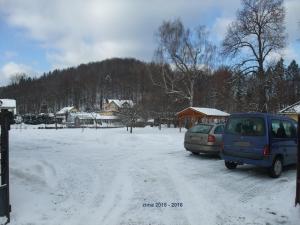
(193, 115)
(291, 111)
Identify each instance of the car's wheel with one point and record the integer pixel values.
(230, 165)
(276, 168)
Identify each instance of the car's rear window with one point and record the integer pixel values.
(219, 129)
(246, 126)
(201, 128)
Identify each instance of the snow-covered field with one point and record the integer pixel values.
(111, 177)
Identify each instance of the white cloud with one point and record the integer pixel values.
(74, 31)
(290, 54)
(10, 69)
(220, 27)
(292, 19)
(79, 31)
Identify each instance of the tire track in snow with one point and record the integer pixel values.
(192, 197)
(115, 201)
(152, 184)
(74, 193)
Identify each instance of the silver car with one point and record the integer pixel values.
(204, 138)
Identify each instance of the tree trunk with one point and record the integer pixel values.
(159, 126)
(192, 94)
(55, 122)
(262, 101)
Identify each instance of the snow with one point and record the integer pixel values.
(120, 103)
(112, 177)
(84, 115)
(295, 108)
(108, 117)
(92, 115)
(7, 103)
(208, 111)
(65, 110)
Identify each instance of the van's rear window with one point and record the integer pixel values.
(246, 126)
(201, 128)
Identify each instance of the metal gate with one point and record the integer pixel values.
(6, 118)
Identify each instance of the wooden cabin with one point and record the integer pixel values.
(291, 111)
(193, 115)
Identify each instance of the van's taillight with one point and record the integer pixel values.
(267, 150)
(211, 138)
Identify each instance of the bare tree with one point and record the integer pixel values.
(184, 55)
(257, 32)
(129, 116)
(17, 78)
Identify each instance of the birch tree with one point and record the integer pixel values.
(183, 55)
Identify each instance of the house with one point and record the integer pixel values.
(291, 111)
(62, 115)
(110, 121)
(192, 115)
(84, 119)
(112, 106)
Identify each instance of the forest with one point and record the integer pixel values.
(185, 71)
(87, 85)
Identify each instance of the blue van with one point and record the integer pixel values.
(260, 139)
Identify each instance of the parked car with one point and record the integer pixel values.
(204, 138)
(260, 139)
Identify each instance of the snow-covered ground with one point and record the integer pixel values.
(111, 177)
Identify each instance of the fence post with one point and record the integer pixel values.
(297, 200)
(6, 119)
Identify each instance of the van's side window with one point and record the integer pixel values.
(283, 129)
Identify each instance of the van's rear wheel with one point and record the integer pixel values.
(276, 168)
(230, 165)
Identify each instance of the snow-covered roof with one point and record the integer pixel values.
(65, 110)
(102, 117)
(120, 103)
(207, 111)
(7, 104)
(93, 115)
(295, 108)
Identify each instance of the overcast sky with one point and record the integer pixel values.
(40, 35)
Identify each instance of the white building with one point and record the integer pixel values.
(9, 104)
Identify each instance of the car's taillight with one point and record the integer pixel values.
(267, 150)
(211, 138)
